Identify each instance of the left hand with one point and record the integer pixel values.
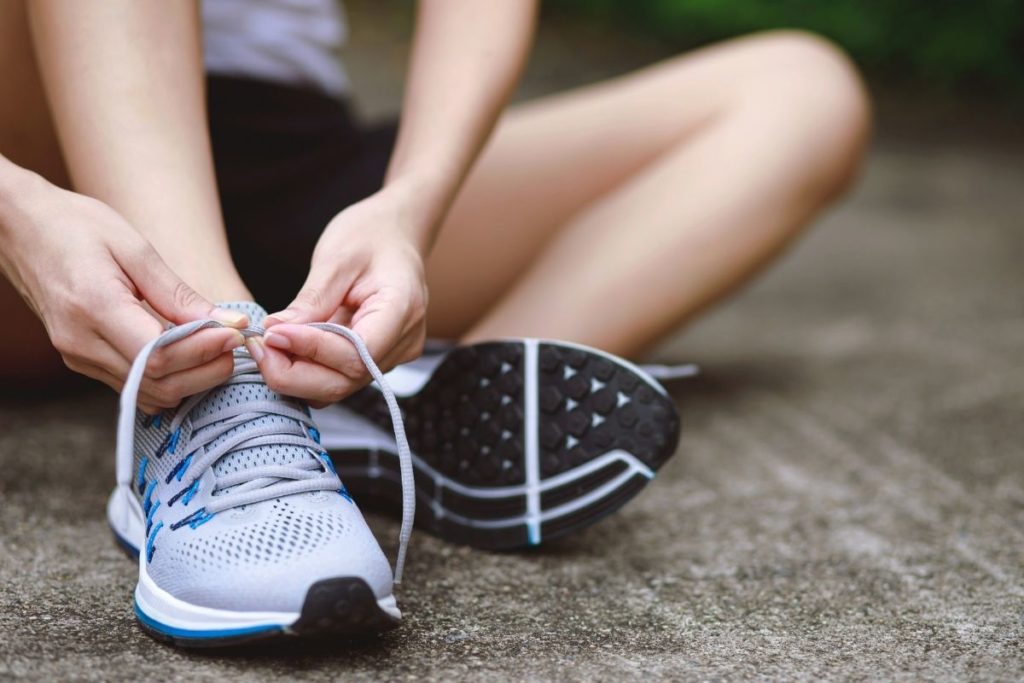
(367, 274)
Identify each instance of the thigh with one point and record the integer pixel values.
(550, 158)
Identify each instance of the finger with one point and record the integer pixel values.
(168, 294)
(299, 377)
(95, 355)
(125, 327)
(318, 346)
(128, 327)
(409, 348)
(192, 351)
(168, 391)
(320, 297)
(381, 325)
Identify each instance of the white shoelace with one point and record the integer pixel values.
(257, 484)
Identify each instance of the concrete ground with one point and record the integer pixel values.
(847, 501)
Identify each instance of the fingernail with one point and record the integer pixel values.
(278, 341)
(229, 318)
(234, 342)
(281, 316)
(255, 347)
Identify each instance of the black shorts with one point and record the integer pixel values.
(288, 160)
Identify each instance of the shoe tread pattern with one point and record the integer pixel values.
(467, 422)
(590, 405)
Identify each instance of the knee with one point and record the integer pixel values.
(826, 102)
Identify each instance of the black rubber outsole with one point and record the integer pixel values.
(470, 423)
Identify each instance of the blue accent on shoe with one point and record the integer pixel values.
(343, 492)
(179, 469)
(145, 497)
(150, 548)
(175, 435)
(141, 475)
(163, 447)
(195, 520)
(185, 493)
(152, 420)
(328, 461)
(211, 634)
(314, 432)
(149, 515)
(192, 491)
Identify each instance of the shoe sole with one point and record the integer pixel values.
(333, 608)
(516, 442)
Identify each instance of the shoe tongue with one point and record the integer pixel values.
(235, 394)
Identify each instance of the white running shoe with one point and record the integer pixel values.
(242, 527)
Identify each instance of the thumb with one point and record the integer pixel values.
(169, 295)
(318, 300)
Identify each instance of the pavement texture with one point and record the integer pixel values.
(847, 501)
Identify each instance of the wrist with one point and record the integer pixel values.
(422, 201)
(19, 188)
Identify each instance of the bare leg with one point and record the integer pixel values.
(172, 200)
(126, 87)
(27, 138)
(612, 214)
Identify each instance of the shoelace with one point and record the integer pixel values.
(266, 482)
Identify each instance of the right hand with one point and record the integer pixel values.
(89, 276)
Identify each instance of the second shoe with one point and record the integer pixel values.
(514, 442)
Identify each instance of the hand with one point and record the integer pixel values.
(366, 274)
(88, 275)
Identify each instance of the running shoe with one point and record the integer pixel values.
(242, 527)
(514, 442)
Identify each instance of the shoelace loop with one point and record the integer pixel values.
(266, 482)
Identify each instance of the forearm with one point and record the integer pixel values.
(125, 83)
(466, 59)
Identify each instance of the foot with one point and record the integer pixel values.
(514, 442)
(242, 527)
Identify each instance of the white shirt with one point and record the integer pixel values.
(286, 41)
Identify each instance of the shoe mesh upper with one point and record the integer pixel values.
(262, 556)
(285, 533)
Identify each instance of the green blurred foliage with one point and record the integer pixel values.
(950, 44)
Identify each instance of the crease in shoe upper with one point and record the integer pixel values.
(259, 444)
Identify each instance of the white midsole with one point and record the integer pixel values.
(126, 519)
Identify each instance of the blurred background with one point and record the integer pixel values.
(951, 46)
(936, 68)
